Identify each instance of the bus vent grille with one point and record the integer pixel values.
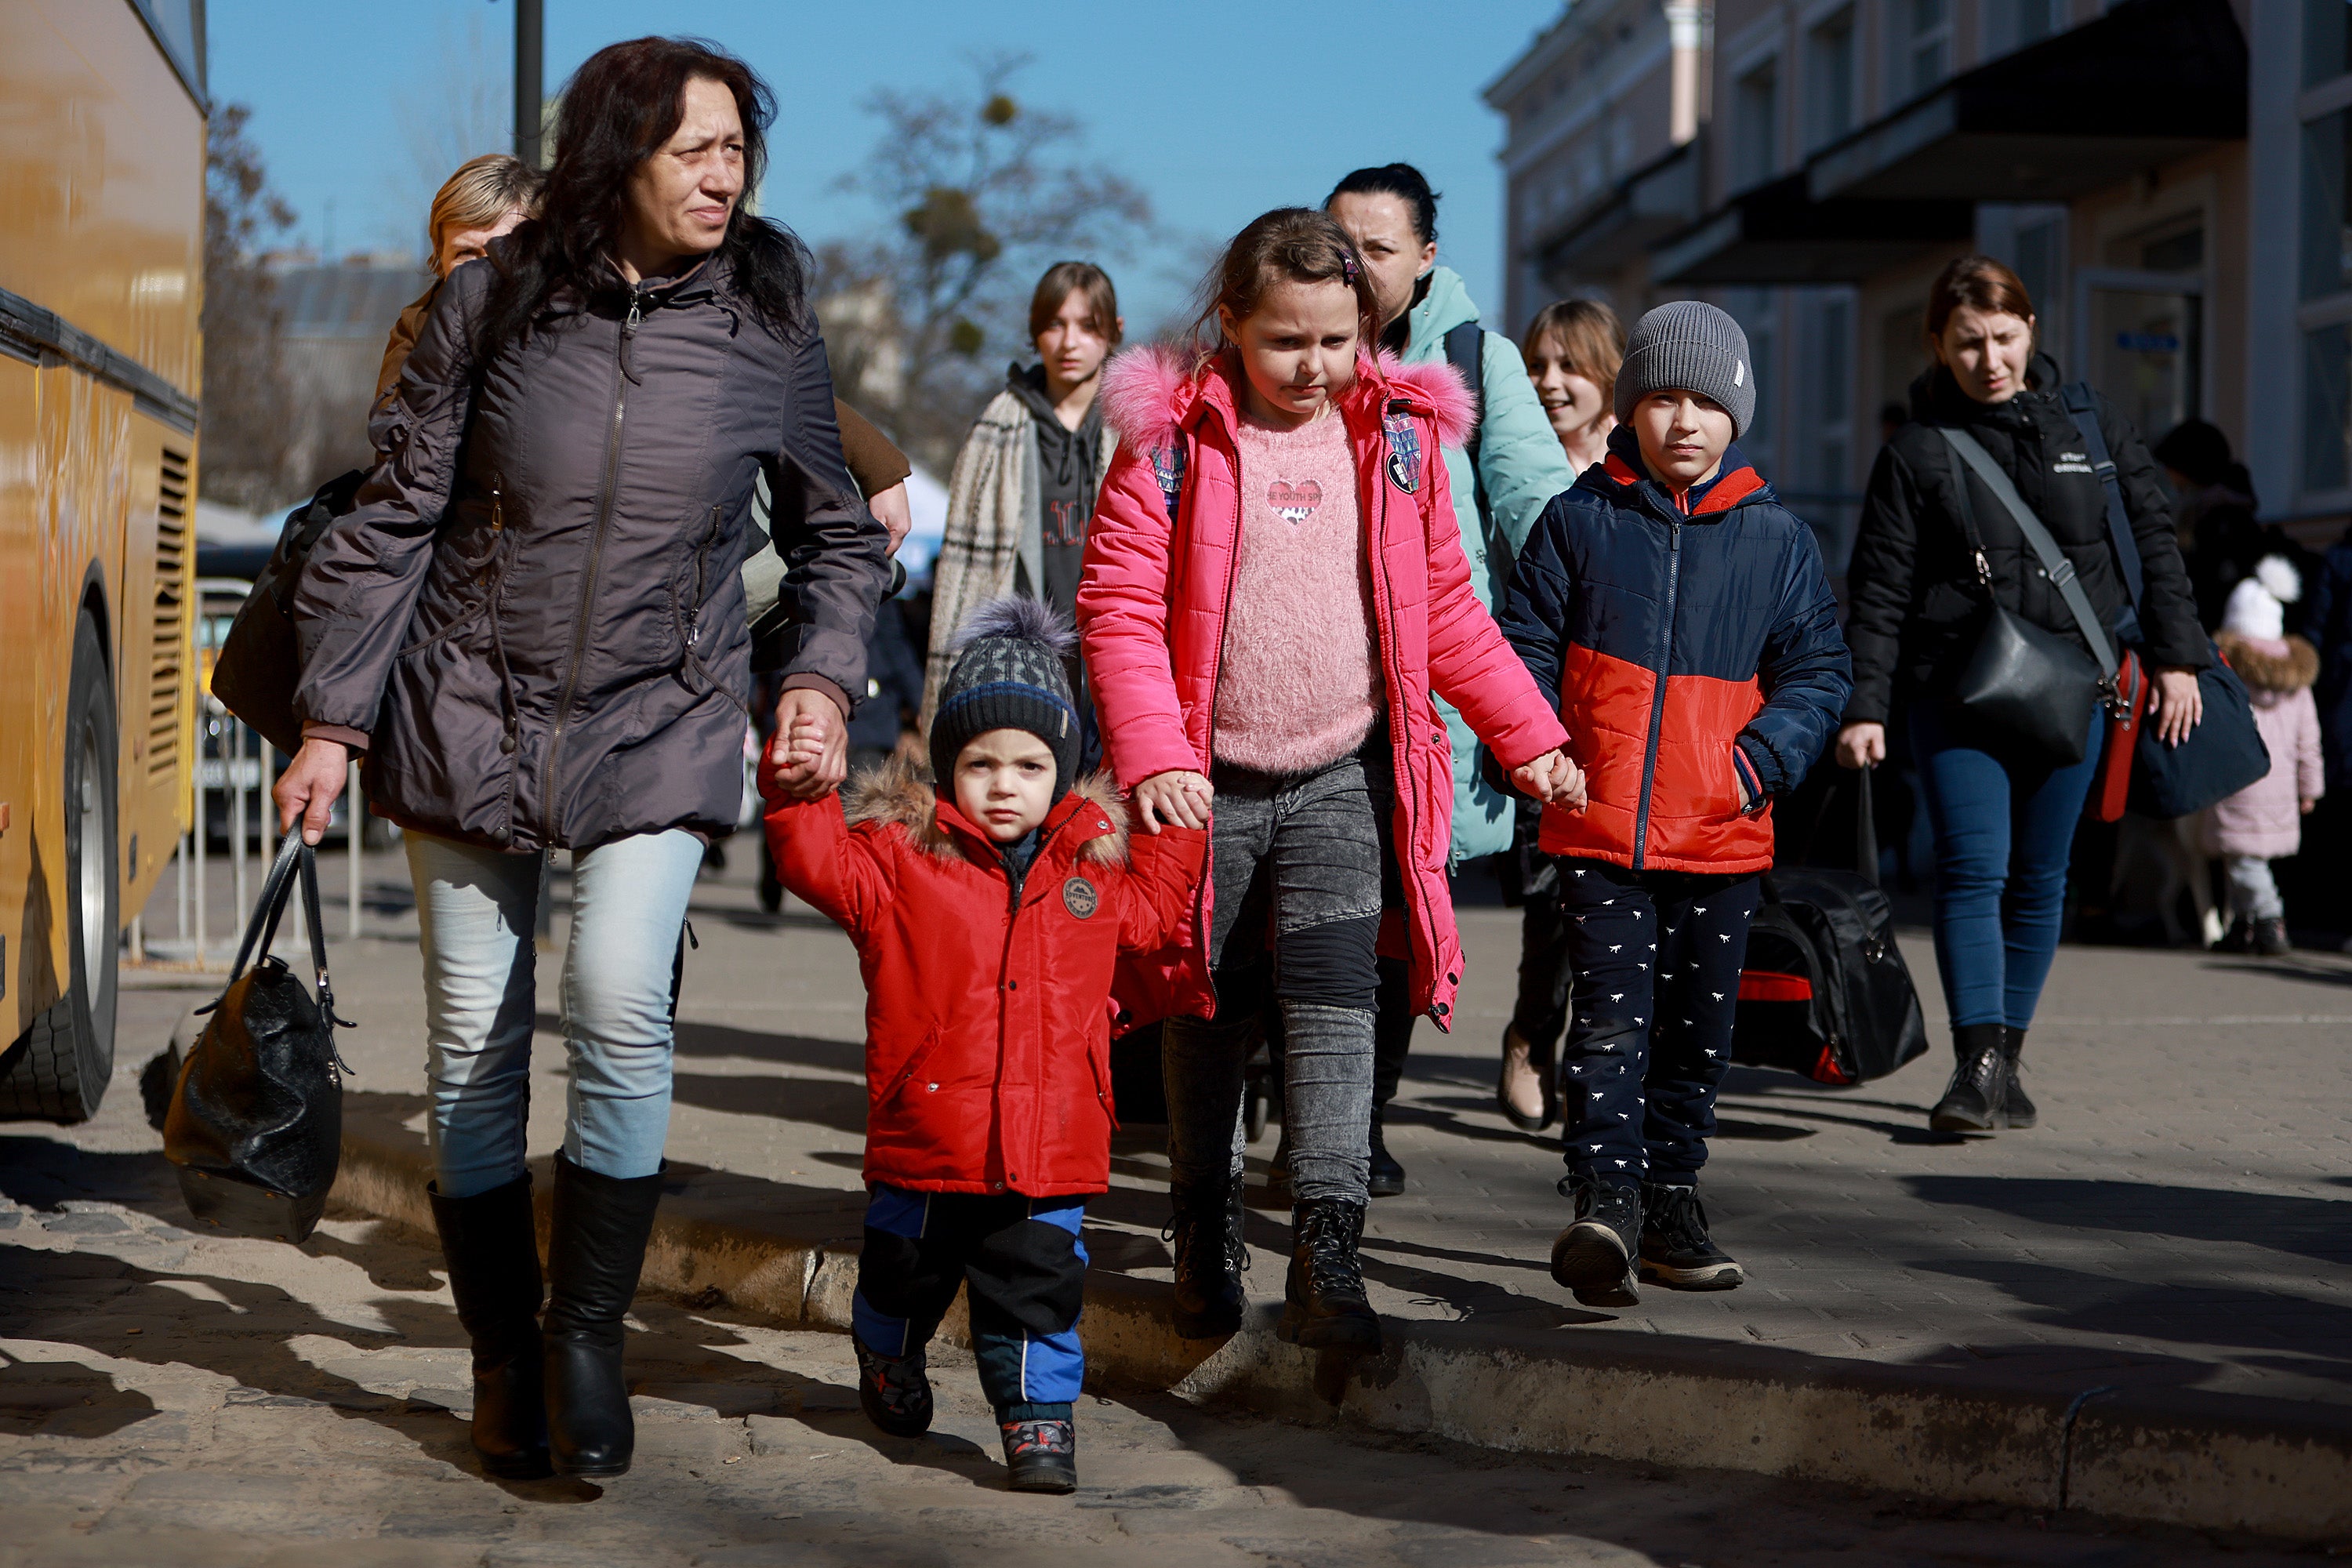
(168, 656)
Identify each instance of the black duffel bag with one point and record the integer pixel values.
(255, 1125)
(261, 663)
(1823, 990)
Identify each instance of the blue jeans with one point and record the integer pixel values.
(476, 911)
(2004, 826)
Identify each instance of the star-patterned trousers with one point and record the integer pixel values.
(1653, 961)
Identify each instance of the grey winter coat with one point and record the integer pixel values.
(532, 619)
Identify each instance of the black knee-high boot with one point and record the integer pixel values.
(592, 1262)
(491, 1247)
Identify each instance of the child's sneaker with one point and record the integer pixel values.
(1676, 1251)
(1042, 1456)
(894, 1391)
(1594, 1256)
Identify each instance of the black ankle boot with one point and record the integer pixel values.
(1325, 1306)
(1593, 1257)
(2022, 1113)
(1977, 1100)
(592, 1263)
(491, 1247)
(2271, 940)
(1386, 1178)
(1206, 1237)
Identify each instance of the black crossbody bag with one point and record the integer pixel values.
(2022, 681)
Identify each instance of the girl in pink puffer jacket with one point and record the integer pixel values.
(1273, 584)
(2263, 821)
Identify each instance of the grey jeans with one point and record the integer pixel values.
(1307, 859)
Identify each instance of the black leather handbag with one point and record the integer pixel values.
(2022, 681)
(255, 1126)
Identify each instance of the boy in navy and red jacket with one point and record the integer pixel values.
(1681, 616)
(990, 910)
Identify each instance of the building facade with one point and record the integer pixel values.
(2168, 177)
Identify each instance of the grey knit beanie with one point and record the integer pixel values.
(1688, 346)
(1008, 675)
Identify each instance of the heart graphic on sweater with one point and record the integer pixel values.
(1294, 502)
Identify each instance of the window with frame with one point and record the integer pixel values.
(1755, 126)
(1919, 46)
(1830, 98)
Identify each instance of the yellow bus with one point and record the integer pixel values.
(102, 257)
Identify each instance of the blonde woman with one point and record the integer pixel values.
(483, 200)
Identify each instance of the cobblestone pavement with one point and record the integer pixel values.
(169, 1399)
(2183, 1216)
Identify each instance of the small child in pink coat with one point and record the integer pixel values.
(2263, 821)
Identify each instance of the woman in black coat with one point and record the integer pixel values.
(532, 626)
(2003, 817)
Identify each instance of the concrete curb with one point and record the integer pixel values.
(2176, 1457)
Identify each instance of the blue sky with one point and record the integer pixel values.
(1217, 110)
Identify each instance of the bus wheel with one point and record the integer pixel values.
(58, 1070)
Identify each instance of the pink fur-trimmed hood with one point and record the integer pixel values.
(1150, 387)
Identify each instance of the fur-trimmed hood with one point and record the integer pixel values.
(1148, 388)
(897, 792)
(2267, 666)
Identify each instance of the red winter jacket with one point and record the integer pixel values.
(987, 1011)
(1151, 614)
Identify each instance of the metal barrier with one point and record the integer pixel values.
(233, 773)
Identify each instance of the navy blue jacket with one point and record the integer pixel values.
(1692, 643)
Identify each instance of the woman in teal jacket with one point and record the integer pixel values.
(1501, 479)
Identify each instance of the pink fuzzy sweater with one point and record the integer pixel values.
(1299, 683)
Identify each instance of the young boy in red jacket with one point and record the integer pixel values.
(990, 912)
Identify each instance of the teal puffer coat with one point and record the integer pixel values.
(1522, 466)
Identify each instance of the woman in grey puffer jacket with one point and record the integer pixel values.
(533, 626)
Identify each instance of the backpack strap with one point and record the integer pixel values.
(2076, 396)
(2054, 563)
(1466, 351)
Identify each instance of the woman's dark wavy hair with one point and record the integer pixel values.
(618, 110)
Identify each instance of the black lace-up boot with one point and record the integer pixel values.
(1325, 1306)
(1041, 1456)
(1594, 1256)
(1206, 1238)
(2022, 1113)
(1676, 1251)
(1977, 1100)
(492, 1248)
(894, 1391)
(593, 1258)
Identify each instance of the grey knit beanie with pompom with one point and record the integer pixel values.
(1009, 674)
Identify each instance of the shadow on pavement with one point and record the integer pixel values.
(2310, 1227)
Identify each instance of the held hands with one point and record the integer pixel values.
(1180, 797)
(1858, 745)
(309, 787)
(2179, 705)
(810, 755)
(1552, 779)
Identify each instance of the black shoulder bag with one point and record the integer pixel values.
(2022, 681)
(2225, 752)
(255, 1125)
(261, 663)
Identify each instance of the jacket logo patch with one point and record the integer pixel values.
(1294, 503)
(1078, 897)
(1405, 451)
